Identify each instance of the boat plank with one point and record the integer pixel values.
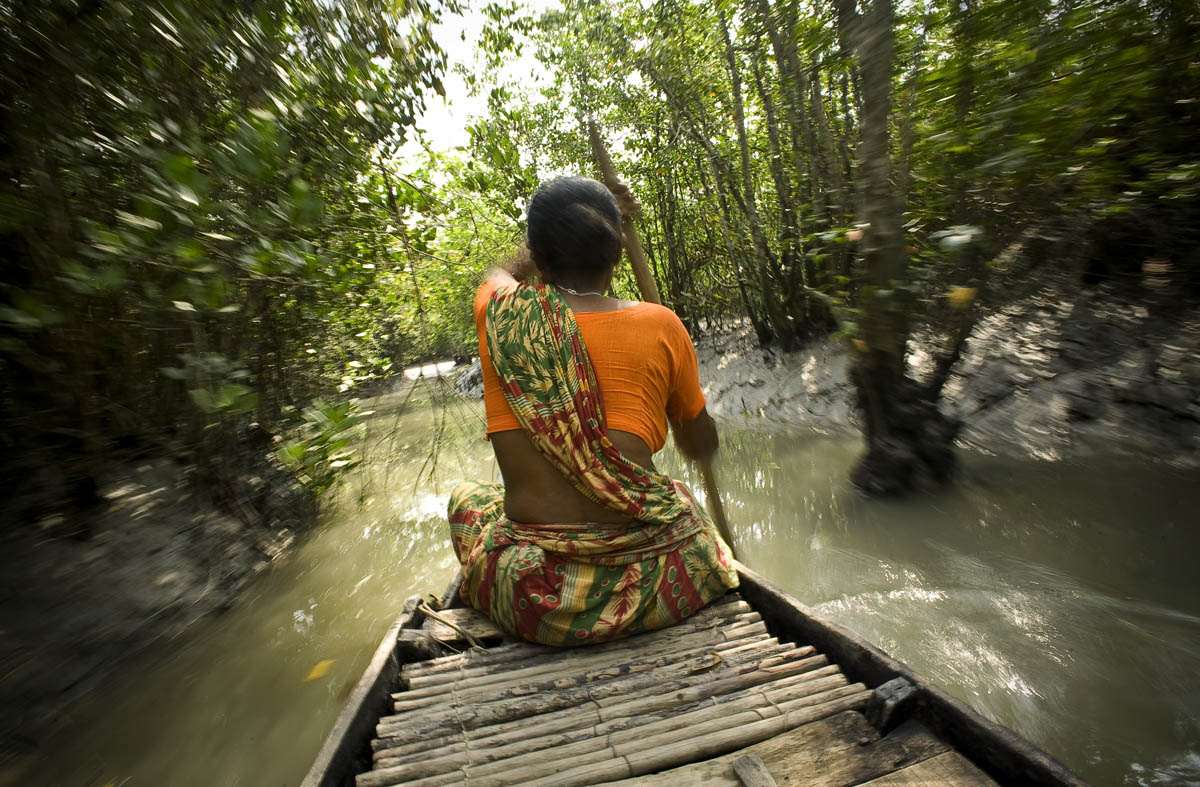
(843, 749)
(947, 768)
(457, 621)
(751, 771)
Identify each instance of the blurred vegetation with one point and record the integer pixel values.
(195, 224)
(210, 239)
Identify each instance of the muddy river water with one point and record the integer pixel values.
(1061, 599)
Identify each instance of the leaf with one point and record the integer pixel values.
(319, 669)
(184, 306)
(203, 399)
(291, 453)
(139, 221)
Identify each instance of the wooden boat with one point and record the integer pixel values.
(755, 690)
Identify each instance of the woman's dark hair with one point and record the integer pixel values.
(574, 226)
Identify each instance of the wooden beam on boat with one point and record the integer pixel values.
(455, 622)
(948, 768)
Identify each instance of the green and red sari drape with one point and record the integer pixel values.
(578, 583)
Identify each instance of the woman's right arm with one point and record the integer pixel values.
(517, 268)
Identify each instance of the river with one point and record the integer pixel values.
(1060, 599)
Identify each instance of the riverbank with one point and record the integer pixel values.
(160, 555)
(1051, 377)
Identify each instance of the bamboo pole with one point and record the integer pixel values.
(472, 715)
(498, 686)
(767, 652)
(603, 719)
(649, 291)
(503, 680)
(712, 620)
(666, 749)
(678, 689)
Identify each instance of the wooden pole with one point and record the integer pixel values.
(649, 291)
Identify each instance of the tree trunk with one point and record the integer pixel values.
(909, 442)
(762, 330)
(783, 327)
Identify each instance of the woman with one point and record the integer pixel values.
(587, 541)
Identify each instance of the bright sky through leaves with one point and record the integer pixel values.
(443, 125)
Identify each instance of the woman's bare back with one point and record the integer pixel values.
(536, 493)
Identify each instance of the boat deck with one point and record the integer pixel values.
(716, 700)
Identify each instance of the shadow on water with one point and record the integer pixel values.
(1058, 599)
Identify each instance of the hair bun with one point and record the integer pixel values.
(574, 226)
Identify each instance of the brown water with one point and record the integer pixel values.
(1060, 599)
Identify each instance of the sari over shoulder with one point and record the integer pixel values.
(578, 583)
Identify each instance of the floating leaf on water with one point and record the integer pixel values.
(319, 669)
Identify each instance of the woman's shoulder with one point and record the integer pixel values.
(662, 315)
(642, 321)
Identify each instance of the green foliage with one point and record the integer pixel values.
(182, 220)
(1022, 121)
(322, 449)
(206, 220)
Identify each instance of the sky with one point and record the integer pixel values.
(444, 121)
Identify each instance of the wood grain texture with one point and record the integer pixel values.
(1002, 752)
(751, 771)
(472, 621)
(950, 769)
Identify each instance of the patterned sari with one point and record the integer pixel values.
(578, 583)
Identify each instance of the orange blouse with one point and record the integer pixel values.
(645, 365)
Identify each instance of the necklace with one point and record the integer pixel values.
(576, 293)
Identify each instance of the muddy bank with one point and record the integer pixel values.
(1050, 377)
(160, 556)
